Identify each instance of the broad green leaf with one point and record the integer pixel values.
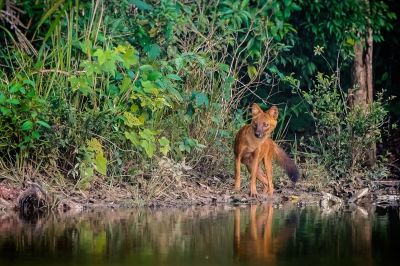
(153, 51)
(13, 101)
(163, 141)
(148, 134)
(107, 60)
(244, 4)
(150, 87)
(164, 145)
(100, 56)
(146, 68)
(161, 102)
(101, 164)
(86, 46)
(179, 62)
(142, 5)
(4, 111)
(29, 82)
(350, 41)
(252, 71)
(36, 134)
(174, 77)
(153, 75)
(133, 137)
(80, 84)
(94, 145)
(27, 125)
(295, 7)
(227, 87)
(201, 99)
(15, 88)
(175, 93)
(86, 174)
(43, 124)
(130, 57)
(148, 147)
(126, 84)
(224, 67)
(148, 84)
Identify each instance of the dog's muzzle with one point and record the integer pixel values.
(258, 134)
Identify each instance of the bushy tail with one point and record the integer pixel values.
(286, 163)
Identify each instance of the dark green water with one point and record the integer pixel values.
(257, 235)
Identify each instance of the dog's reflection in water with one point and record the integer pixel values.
(258, 242)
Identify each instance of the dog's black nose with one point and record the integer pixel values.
(258, 134)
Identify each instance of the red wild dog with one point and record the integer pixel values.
(253, 144)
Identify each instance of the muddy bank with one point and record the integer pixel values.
(194, 189)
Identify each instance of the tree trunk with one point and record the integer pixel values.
(362, 79)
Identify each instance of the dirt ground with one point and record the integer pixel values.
(188, 190)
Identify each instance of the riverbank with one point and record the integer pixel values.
(187, 188)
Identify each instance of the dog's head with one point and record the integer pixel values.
(263, 123)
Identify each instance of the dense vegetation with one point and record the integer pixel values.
(105, 88)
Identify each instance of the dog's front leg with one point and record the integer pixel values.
(238, 159)
(253, 173)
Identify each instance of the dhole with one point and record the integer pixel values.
(253, 144)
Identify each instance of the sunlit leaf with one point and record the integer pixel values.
(101, 163)
(132, 137)
(148, 134)
(94, 145)
(131, 120)
(130, 57)
(164, 145)
(148, 147)
(252, 71)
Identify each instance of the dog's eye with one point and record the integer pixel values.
(265, 124)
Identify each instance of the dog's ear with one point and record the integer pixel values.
(273, 112)
(256, 110)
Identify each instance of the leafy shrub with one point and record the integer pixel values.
(344, 134)
(24, 117)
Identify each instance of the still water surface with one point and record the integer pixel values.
(256, 235)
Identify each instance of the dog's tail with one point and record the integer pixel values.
(286, 163)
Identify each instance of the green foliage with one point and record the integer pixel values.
(137, 94)
(344, 134)
(24, 116)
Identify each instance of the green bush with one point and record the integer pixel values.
(343, 134)
(24, 117)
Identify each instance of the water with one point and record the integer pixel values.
(256, 235)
